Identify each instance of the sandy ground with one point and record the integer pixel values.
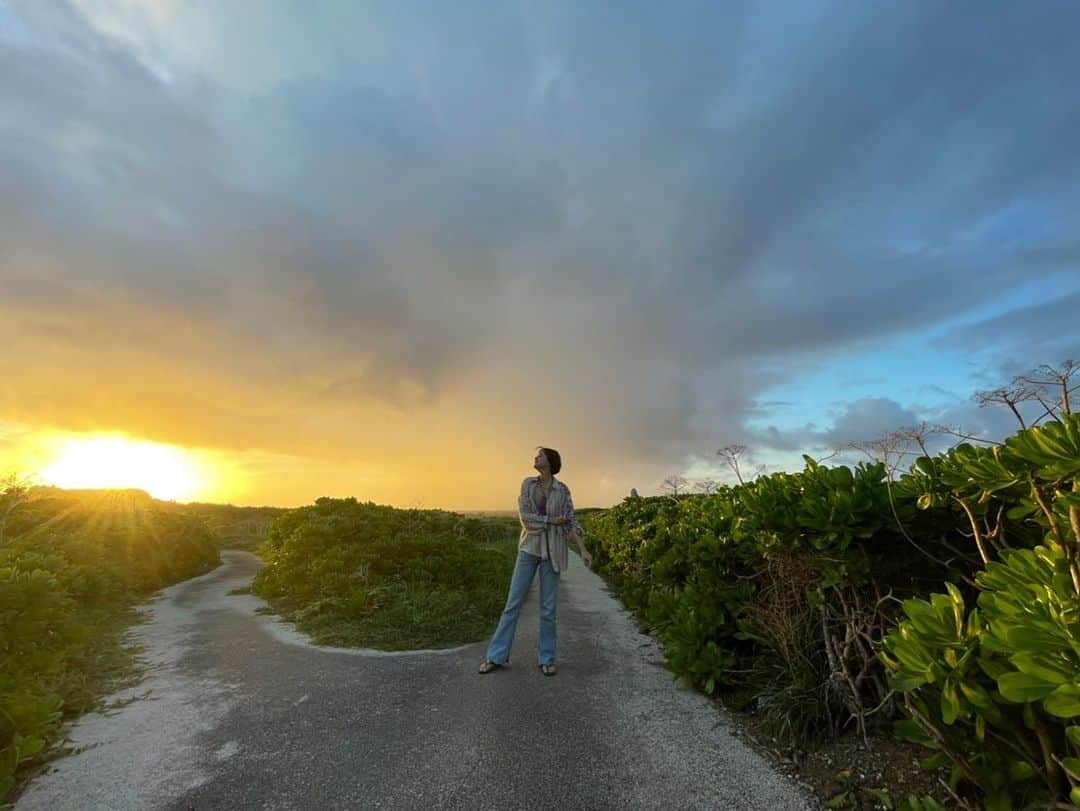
(240, 711)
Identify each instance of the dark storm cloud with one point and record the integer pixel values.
(1046, 332)
(910, 124)
(662, 198)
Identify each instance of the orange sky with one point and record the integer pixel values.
(257, 477)
(308, 419)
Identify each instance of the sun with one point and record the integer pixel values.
(164, 471)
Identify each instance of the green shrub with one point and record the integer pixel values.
(766, 584)
(995, 689)
(365, 574)
(71, 568)
(787, 584)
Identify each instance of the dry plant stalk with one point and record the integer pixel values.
(853, 630)
(780, 609)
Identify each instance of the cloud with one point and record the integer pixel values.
(1041, 333)
(334, 232)
(864, 419)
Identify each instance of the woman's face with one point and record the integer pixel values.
(541, 462)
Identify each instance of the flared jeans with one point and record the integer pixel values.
(524, 570)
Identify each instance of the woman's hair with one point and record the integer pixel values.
(554, 460)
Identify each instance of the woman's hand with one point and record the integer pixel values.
(586, 556)
(558, 520)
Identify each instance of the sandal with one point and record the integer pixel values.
(548, 670)
(487, 666)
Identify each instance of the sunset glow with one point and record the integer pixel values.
(164, 471)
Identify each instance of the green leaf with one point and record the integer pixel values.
(845, 799)
(1027, 712)
(1020, 770)
(934, 761)
(956, 774)
(1042, 666)
(975, 694)
(879, 796)
(950, 703)
(1064, 702)
(29, 747)
(1072, 766)
(1023, 687)
(994, 668)
(908, 730)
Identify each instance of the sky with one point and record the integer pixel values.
(386, 250)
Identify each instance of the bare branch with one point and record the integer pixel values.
(674, 484)
(1046, 378)
(730, 454)
(707, 486)
(1011, 396)
(890, 449)
(828, 456)
(918, 434)
(956, 432)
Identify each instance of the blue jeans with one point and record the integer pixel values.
(524, 570)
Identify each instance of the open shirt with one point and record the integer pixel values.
(538, 537)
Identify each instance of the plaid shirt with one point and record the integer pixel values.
(538, 536)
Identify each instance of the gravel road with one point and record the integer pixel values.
(240, 711)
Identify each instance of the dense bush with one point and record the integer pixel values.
(783, 590)
(416, 578)
(995, 689)
(771, 585)
(71, 568)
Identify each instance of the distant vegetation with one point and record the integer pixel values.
(235, 527)
(363, 574)
(72, 566)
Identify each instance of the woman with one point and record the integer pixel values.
(547, 516)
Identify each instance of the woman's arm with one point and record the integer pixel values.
(530, 519)
(576, 532)
(575, 527)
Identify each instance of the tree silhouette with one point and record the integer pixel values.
(673, 485)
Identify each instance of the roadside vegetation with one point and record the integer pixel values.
(937, 601)
(73, 564)
(362, 574)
